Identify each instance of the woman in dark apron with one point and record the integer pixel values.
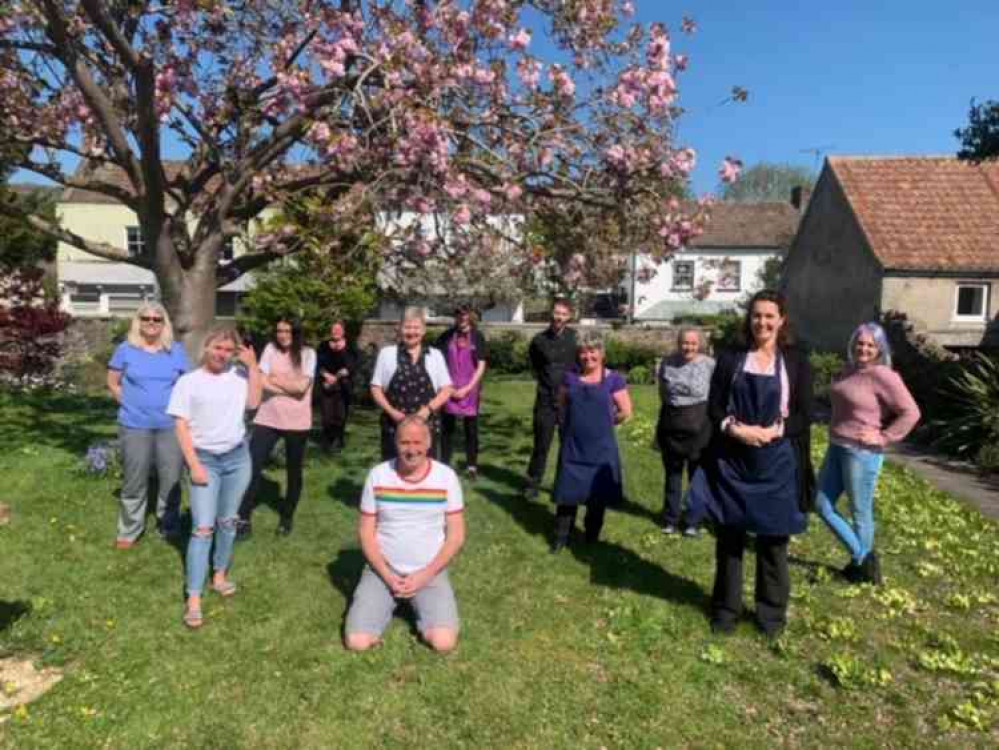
(592, 400)
(684, 429)
(757, 478)
(410, 378)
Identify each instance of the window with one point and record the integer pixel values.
(729, 276)
(134, 242)
(683, 275)
(972, 302)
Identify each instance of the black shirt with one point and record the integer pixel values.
(550, 355)
(334, 361)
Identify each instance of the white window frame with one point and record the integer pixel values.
(721, 275)
(986, 288)
(134, 247)
(675, 287)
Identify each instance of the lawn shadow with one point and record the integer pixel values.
(813, 567)
(346, 490)
(70, 422)
(11, 612)
(611, 565)
(345, 571)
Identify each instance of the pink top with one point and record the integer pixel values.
(277, 410)
(871, 407)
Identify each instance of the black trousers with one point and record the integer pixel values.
(673, 466)
(334, 408)
(545, 421)
(449, 423)
(773, 582)
(262, 443)
(593, 521)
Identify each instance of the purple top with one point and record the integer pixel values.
(461, 365)
(612, 383)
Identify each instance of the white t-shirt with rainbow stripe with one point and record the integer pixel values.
(410, 523)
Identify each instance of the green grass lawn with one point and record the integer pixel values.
(600, 647)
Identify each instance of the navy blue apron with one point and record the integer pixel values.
(746, 487)
(589, 467)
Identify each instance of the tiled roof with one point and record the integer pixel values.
(925, 213)
(749, 225)
(111, 174)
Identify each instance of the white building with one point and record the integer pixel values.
(725, 261)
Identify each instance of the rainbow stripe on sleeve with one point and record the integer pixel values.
(405, 496)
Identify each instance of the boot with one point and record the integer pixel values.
(870, 568)
(563, 527)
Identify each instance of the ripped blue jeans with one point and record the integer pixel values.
(214, 514)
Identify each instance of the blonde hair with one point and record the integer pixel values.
(135, 337)
(223, 333)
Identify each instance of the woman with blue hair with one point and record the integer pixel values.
(871, 407)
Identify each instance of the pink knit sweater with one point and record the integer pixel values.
(871, 407)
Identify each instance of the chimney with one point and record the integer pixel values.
(800, 195)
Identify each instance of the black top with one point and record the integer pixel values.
(550, 356)
(797, 426)
(334, 361)
(480, 352)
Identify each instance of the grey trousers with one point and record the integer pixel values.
(139, 450)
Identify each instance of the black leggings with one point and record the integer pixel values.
(262, 443)
(449, 423)
(773, 582)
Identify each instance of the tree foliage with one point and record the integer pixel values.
(30, 319)
(980, 139)
(441, 108)
(21, 244)
(333, 276)
(768, 182)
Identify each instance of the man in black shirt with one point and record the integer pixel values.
(335, 364)
(551, 352)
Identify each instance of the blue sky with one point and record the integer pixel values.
(841, 76)
(846, 76)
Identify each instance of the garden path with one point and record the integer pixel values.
(960, 478)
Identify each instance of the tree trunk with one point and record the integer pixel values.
(188, 294)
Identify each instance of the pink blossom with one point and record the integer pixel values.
(463, 215)
(730, 170)
(482, 197)
(628, 8)
(689, 25)
(520, 40)
(513, 191)
(563, 83)
(681, 62)
(529, 72)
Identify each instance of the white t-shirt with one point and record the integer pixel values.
(214, 407)
(388, 362)
(410, 525)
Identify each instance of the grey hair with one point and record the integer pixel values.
(591, 340)
(412, 312)
(877, 333)
(690, 329)
(412, 419)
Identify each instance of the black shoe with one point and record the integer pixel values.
(284, 527)
(558, 545)
(722, 627)
(244, 530)
(870, 567)
(771, 630)
(853, 573)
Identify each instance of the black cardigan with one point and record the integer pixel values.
(797, 426)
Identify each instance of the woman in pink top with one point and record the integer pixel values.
(871, 407)
(286, 412)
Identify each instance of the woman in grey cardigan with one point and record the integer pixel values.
(684, 429)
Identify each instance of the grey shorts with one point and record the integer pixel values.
(373, 604)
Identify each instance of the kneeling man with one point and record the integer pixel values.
(411, 527)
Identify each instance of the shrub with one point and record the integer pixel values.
(825, 365)
(971, 428)
(508, 354)
(624, 356)
(30, 321)
(640, 375)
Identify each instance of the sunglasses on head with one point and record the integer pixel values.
(150, 319)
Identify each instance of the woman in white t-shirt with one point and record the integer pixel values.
(208, 406)
(286, 413)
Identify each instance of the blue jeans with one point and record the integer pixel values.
(214, 509)
(855, 471)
